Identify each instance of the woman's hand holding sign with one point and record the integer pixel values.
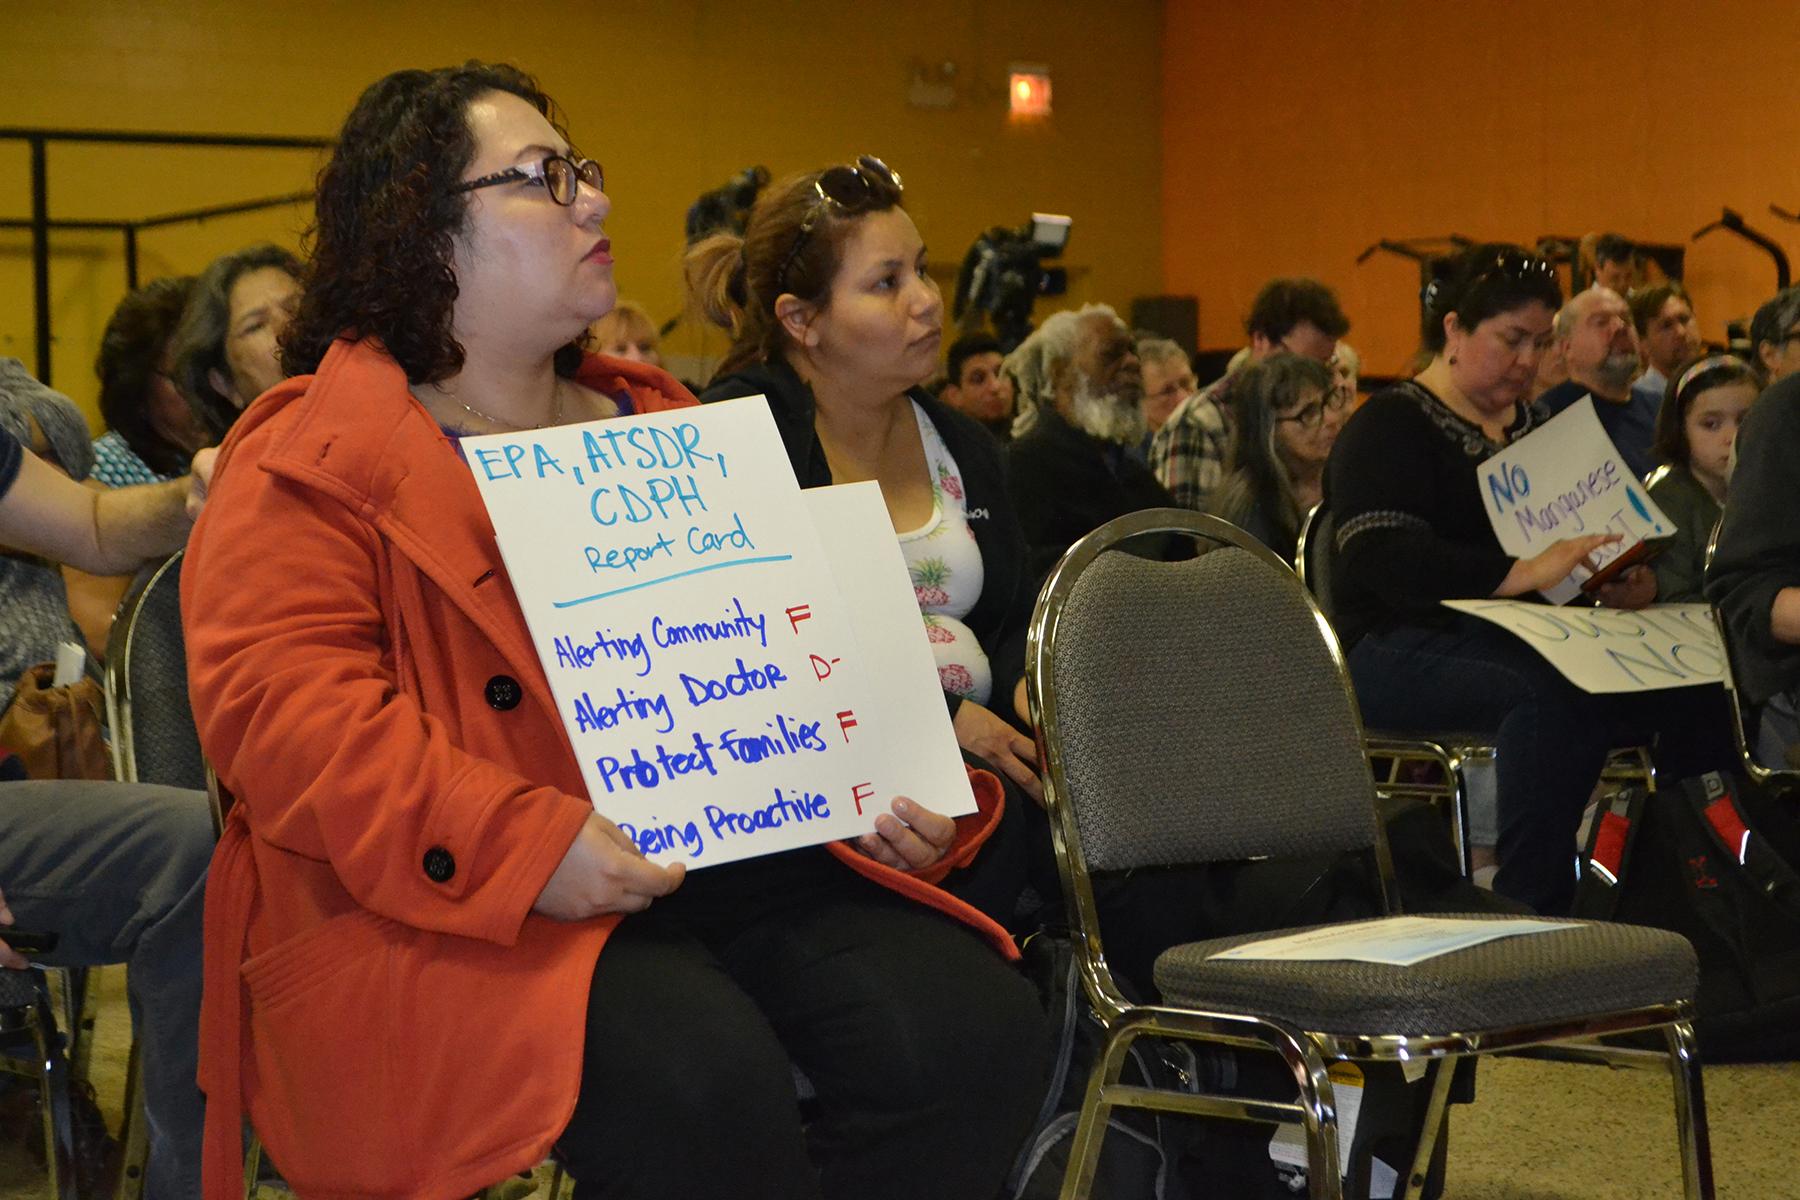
(1552, 565)
(910, 838)
(603, 872)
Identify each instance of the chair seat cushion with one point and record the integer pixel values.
(1584, 970)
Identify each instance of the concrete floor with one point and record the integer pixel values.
(1539, 1131)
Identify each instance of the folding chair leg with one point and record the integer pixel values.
(1090, 1128)
(1318, 1105)
(53, 1083)
(136, 1134)
(1431, 1129)
(253, 1157)
(1690, 1112)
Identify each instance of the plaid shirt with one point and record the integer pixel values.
(1188, 452)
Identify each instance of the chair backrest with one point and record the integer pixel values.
(1194, 711)
(1312, 556)
(154, 740)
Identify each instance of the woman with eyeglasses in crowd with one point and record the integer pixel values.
(1287, 411)
(430, 961)
(836, 320)
(1410, 530)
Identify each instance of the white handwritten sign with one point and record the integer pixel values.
(1611, 649)
(1562, 480)
(704, 660)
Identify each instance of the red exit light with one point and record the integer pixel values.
(1028, 93)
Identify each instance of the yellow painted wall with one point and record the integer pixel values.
(674, 97)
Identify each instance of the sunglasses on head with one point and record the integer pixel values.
(852, 188)
(561, 175)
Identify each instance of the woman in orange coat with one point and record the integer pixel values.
(405, 919)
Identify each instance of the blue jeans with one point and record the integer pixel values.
(118, 872)
(1552, 738)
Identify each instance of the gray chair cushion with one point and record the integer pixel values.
(1576, 972)
(1202, 716)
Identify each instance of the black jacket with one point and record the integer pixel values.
(1759, 542)
(1066, 484)
(999, 617)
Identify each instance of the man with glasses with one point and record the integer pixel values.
(1299, 316)
(1775, 334)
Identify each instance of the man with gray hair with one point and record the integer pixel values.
(1599, 342)
(1070, 465)
(1775, 335)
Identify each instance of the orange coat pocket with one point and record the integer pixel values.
(320, 1067)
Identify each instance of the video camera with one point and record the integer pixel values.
(1003, 274)
(726, 209)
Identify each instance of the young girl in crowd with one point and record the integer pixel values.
(408, 907)
(1287, 411)
(1411, 530)
(1695, 430)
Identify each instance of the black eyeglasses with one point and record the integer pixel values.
(853, 188)
(1313, 415)
(561, 176)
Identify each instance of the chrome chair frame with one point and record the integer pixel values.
(1304, 1052)
(1756, 772)
(48, 1064)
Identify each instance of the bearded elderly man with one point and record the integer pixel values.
(1070, 466)
(1594, 330)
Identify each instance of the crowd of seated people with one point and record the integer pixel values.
(436, 844)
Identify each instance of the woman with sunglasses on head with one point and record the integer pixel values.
(1286, 413)
(1411, 530)
(835, 319)
(419, 978)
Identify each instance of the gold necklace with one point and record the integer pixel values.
(555, 416)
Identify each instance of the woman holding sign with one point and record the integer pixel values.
(407, 911)
(1412, 530)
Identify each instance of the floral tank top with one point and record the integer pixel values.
(945, 564)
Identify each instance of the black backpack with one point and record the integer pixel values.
(1136, 1158)
(1710, 858)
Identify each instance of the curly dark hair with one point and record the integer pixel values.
(131, 354)
(1282, 304)
(381, 240)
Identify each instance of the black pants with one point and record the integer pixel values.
(928, 1052)
(1552, 737)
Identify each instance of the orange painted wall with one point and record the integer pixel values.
(1297, 133)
